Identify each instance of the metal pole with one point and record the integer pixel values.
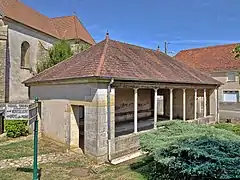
(35, 163)
(165, 47)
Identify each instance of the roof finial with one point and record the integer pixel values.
(158, 48)
(107, 35)
(74, 13)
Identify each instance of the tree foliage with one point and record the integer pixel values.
(189, 151)
(236, 51)
(58, 53)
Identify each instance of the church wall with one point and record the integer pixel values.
(38, 41)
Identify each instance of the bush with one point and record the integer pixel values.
(16, 128)
(190, 151)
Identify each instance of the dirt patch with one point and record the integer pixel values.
(80, 172)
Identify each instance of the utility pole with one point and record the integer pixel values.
(165, 47)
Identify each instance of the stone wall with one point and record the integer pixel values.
(178, 103)
(93, 97)
(3, 59)
(17, 34)
(55, 121)
(124, 107)
(125, 145)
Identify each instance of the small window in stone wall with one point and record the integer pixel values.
(25, 55)
(231, 76)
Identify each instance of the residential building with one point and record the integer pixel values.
(100, 99)
(219, 62)
(25, 36)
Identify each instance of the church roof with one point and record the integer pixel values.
(18, 11)
(70, 27)
(114, 59)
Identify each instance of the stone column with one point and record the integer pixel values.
(195, 104)
(171, 104)
(3, 59)
(135, 109)
(155, 108)
(96, 123)
(216, 105)
(184, 104)
(205, 103)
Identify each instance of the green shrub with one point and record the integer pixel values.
(203, 158)
(189, 151)
(16, 128)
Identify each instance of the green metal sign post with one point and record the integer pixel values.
(35, 155)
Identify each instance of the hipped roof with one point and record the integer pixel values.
(114, 59)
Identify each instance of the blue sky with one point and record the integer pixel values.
(183, 23)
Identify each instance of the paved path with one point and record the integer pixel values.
(28, 161)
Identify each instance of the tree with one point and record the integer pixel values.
(236, 51)
(58, 53)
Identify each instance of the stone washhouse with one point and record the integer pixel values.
(101, 99)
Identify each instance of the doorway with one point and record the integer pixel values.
(81, 127)
(79, 117)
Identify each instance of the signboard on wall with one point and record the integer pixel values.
(17, 112)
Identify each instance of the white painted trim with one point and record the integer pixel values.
(155, 108)
(205, 103)
(135, 109)
(195, 104)
(184, 104)
(171, 104)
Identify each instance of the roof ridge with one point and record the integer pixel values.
(75, 24)
(62, 16)
(209, 47)
(102, 58)
(84, 27)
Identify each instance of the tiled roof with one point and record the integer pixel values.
(210, 59)
(18, 11)
(119, 60)
(70, 27)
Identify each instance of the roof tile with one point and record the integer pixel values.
(210, 59)
(115, 59)
(18, 11)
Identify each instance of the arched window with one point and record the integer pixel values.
(25, 55)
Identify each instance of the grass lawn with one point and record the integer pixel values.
(62, 170)
(169, 133)
(230, 127)
(24, 148)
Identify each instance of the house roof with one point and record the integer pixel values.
(210, 59)
(18, 11)
(70, 27)
(114, 59)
